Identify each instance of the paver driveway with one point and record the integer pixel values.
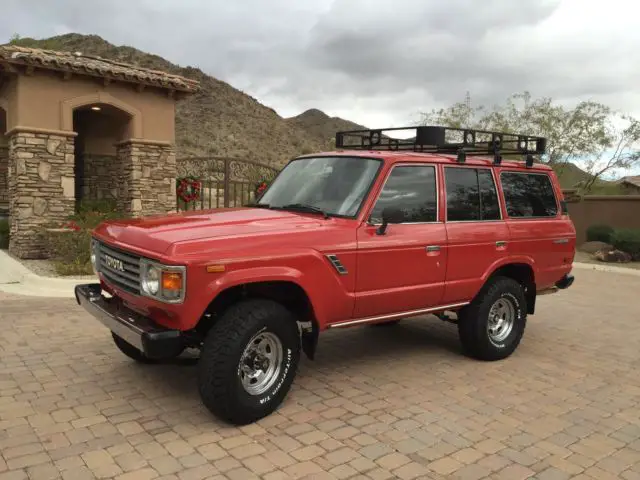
(398, 402)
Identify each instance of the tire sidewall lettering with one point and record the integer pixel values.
(286, 366)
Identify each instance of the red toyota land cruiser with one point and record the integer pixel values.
(382, 229)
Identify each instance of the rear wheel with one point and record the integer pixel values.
(131, 351)
(491, 327)
(248, 361)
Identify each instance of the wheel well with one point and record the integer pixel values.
(523, 274)
(288, 294)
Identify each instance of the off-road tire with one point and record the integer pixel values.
(219, 382)
(473, 320)
(131, 351)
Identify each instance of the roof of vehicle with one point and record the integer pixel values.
(407, 156)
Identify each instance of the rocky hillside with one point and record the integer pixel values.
(220, 120)
(321, 126)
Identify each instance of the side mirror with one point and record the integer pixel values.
(390, 215)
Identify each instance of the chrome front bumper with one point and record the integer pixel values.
(150, 338)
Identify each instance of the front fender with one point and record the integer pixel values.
(330, 295)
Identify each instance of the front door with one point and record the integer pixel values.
(403, 269)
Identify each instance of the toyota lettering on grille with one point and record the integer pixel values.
(114, 263)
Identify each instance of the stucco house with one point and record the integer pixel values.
(74, 127)
(630, 185)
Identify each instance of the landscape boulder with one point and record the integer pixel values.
(612, 256)
(595, 246)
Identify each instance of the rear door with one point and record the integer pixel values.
(478, 236)
(403, 269)
(537, 225)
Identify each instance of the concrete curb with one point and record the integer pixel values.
(607, 268)
(17, 279)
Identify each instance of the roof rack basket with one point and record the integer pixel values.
(462, 142)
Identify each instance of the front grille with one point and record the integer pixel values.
(122, 269)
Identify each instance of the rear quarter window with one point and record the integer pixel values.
(528, 195)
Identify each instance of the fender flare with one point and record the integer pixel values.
(530, 294)
(309, 339)
(512, 260)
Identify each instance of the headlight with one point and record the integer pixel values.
(151, 280)
(162, 282)
(94, 255)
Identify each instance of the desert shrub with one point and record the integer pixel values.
(91, 213)
(599, 233)
(69, 249)
(69, 244)
(4, 233)
(627, 240)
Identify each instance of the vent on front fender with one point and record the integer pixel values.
(337, 264)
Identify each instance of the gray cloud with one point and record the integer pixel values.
(378, 62)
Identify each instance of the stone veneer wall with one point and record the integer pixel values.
(101, 177)
(147, 184)
(41, 188)
(4, 180)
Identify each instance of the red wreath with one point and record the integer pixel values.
(261, 188)
(188, 189)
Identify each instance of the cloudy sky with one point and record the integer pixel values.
(378, 62)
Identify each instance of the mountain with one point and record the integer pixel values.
(220, 120)
(321, 126)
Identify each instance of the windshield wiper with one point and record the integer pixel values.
(303, 207)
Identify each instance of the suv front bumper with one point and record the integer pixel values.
(147, 336)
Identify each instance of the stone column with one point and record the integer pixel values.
(148, 178)
(41, 188)
(101, 177)
(4, 180)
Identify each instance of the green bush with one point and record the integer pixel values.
(599, 233)
(4, 233)
(70, 250)
(627, 240)
(69, 245)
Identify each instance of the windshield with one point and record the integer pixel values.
(335, 185)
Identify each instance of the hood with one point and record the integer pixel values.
(156, 234)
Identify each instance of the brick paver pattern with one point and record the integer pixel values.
(397, 402)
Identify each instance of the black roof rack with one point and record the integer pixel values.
(462, 142)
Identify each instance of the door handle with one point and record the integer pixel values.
(501, 243)
(433, 248)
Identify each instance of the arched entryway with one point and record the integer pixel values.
(98, 170)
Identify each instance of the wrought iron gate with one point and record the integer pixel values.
(219, 182)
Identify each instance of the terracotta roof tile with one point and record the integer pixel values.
(94, 66)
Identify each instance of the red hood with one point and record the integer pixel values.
(157, 233)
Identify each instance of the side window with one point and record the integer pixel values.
(489, 205)
(412, 189)
(471, 195)
(528, 195)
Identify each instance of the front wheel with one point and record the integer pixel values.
(491, 327)
(248, 361)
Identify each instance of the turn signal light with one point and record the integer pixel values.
(171, 281)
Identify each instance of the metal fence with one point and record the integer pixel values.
(222, 182)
